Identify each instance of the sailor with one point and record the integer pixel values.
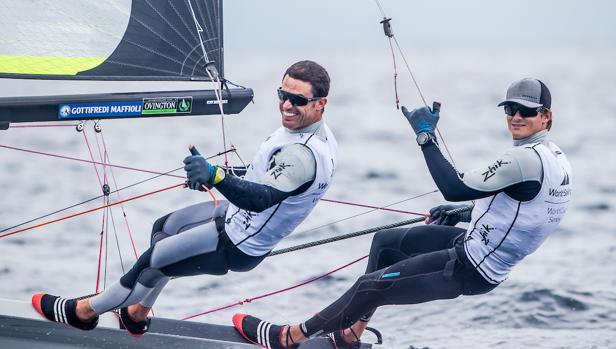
(521, 197)
(291, 171)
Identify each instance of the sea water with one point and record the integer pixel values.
(562, 296)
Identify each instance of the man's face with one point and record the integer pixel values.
(522, 127)
(297, 117)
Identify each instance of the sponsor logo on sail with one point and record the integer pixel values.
(98, 110)
(167, 105)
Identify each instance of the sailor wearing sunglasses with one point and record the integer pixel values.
(520, 199)
(291, 171)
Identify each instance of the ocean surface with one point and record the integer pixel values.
(562, 296)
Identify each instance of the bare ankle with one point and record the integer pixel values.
(84, 311)
(291, 335)
(353, 333)
(138, 312)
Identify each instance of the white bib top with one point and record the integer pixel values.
(256, 233)
(503, 231)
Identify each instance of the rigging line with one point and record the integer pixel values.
(389, 33)
(248, 300)
(168, 173)
(210, 69)
(106, 218)
(84, 202)
(115, 183)
(117, 192)
(437, 129)
(364, 213)
(183, 184)
(408, 68)
(383, 208)
(102, 154)
(378, 3)
(85, 137)
(361, 232)
(218, 93)
(115, 233)
(98, 197)
(109, 213)
(100, 254)
(393, 57)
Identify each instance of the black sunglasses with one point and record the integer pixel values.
(296, 100)
(512, 108)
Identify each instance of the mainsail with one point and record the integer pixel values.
(114, 40)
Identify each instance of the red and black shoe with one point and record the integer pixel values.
(62, 310)
(135, 328)
(261, 333)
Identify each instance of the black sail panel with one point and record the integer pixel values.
(161, 40)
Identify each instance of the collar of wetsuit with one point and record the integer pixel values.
(308, 129)
(538, 137)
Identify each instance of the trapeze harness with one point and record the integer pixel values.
(289, 174)
(521, 198)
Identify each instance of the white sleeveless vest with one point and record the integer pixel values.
(503, 231)
(257, 233)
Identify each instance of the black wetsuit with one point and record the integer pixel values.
(424, 263)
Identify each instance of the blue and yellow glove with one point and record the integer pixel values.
(200, 172)
(423, 120)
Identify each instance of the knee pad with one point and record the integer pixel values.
(130, 279)
(371, 281)
(150, 277)
(158, 231)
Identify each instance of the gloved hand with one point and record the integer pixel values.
(438, 216)
(423, 119)
(198, 170)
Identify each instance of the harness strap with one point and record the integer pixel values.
(451, 263)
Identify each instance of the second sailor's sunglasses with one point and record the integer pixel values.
(296, 100)
(512, 108)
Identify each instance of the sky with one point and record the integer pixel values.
(497, 23)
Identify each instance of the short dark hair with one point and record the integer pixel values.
(313, 73)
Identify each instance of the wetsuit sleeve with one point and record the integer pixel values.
(518, 165)
(517, 173)
(280, 181)
(292, 167)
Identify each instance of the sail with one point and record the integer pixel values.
(113, 39)
(135, 40)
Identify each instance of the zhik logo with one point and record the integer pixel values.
(492, 169)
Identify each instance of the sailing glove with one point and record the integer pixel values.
(423, 120)
(438, 215)
(200, 172)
